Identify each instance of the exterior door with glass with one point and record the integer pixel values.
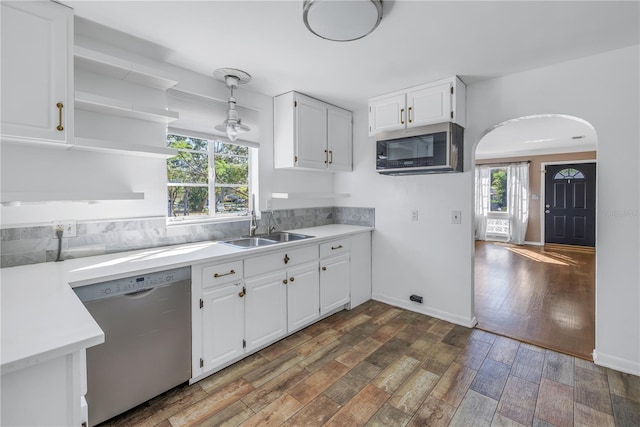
(570, 205)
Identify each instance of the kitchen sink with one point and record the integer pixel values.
(265, 240)
(249, 242)
(283, 236)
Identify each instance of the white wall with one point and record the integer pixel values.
(430, 257)
(434, 258)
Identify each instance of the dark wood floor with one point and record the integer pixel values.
(378, 365)
(538, 295)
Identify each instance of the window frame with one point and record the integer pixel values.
(252, 185)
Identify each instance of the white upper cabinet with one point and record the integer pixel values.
(339, 139)
(436, 102)
(37, 71)
(387, 113)
(311, 134)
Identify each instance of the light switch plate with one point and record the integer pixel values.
(456, 217)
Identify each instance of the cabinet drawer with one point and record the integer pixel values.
(279, 260)
(221, 273)
(334, 247)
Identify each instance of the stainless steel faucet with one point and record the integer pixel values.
(253, 224)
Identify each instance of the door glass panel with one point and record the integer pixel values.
(569, 173)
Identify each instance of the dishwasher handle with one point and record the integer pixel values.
(139, 294)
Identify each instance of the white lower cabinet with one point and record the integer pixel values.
(266, 309)
(334, 282)
(242, 305)
(303, 296)
(223, 315)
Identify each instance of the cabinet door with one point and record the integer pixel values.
(37, 73)
(266, 309)
(430, 105)
(303, 296)
(311, 133)
(222, 325)
(387, 114)
(339, 139)
(334, 282)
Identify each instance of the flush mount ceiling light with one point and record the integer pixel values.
(232, 126)
(342, 20)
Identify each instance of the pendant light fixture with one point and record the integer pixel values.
(232, 77)
(342, 20)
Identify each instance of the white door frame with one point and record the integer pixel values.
(543, 189)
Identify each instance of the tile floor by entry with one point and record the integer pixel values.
(379, 365)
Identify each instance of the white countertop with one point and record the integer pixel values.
(42, 317)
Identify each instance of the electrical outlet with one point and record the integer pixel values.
(68, 227)
(456, 217)
(414, 215)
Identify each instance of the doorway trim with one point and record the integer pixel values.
(543, 195)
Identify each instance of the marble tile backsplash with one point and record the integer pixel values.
(31, 245)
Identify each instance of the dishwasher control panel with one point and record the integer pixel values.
(132, 284)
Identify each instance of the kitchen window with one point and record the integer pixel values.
(209, 178)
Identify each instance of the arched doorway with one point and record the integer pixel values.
(526, 289)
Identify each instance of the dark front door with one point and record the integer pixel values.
(570, 206)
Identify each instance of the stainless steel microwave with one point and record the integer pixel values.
(427, 149)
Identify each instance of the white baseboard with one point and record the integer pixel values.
(534, 243)
(429, 311)
(617, 363)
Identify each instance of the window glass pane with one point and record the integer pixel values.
(188, 167)
(569, 173)
(188, 201)
(232, 199)
(185, 142)
(499, 190)
(221, 148)
(232, 170)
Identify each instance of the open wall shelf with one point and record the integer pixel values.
(120, 69)
(102, 104)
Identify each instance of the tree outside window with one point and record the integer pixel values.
(208, 178)
(499, 190)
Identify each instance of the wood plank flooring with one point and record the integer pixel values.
(539, 295)
(379, 365)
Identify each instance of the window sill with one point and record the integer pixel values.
(171, 223)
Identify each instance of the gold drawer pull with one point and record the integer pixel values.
(402, 116)
(224, 274)
(333, 248)
(60, 106)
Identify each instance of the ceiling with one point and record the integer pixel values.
(416, 41)
(543, 134)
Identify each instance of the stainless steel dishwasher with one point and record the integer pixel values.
(146, 321)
